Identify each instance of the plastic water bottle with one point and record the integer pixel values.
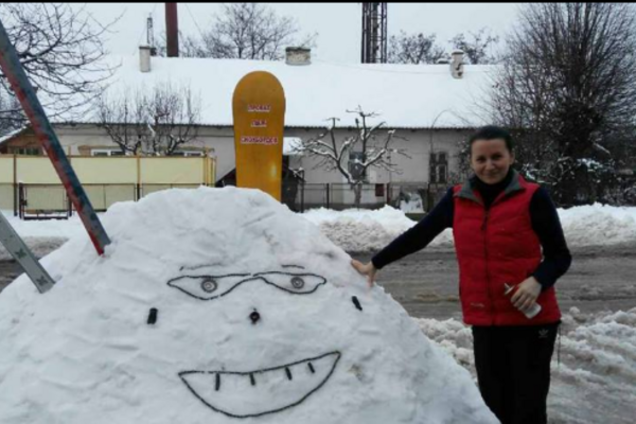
(532, 312)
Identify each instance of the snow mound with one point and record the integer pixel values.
(212, 305)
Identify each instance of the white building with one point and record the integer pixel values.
(428, 106)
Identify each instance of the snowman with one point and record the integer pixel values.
(218, 306)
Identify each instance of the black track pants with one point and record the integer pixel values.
(513, 370)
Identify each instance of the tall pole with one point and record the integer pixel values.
(172, 30)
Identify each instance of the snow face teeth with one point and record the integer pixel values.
(261, 392)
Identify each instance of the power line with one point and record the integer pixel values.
(194, 20)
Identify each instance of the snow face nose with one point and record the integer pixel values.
(255, 316)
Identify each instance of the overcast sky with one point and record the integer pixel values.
(338, 25)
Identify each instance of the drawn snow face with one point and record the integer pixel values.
(242, 394)
(242, 338)
(211, 287)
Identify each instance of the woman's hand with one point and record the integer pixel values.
(365, 269)
(526, 294)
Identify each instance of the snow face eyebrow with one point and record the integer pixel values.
(293, 266)
(294, 283)
(210, 287)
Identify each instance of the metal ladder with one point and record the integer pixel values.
(23, 255)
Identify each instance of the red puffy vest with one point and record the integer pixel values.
(496, 247)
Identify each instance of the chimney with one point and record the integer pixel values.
(150, 36)
(457, 64)
(298, 56)
(144, 58)
(172, 30)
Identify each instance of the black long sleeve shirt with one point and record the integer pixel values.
(545, 223)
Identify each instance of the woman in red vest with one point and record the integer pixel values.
(511, 250)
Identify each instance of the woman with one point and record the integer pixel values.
(507, 234)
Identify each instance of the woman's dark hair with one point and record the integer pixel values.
(491, 132)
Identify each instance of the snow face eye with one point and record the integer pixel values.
(295, 283)
(209, 287)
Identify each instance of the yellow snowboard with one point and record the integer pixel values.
(258, 108)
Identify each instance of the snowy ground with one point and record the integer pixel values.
(363, 230)
(367, 231)
(595, 381)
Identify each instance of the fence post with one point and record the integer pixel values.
(21, 199)
(16, 207)
(328, 195)
(138, 178)
(302, 195)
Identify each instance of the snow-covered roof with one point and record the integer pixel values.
(8, 136)
(405, 96)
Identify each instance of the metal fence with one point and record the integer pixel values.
(303, 196)
(50, 201)
(106, 180)
(43, 201)
(8, 196)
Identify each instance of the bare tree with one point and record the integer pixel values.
(246, 31)
(476, 46)
(60, 48)
(567, 90)
(11, 116)
(153, 122)
(189, 46)
(124, 120)
(414, 49)
(355, 154)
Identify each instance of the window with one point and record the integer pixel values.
(356, 159)
(379, 190)
(27, 151)
(187, 153)
(107, 152)
(438, 168)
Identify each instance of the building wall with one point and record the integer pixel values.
(219, 142)
(417, 144)
(23, 141)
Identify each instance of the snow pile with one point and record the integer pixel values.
(63, 228)
(599, 225)
(361, 230)
(43, 237)
(212, 305)
(412, 203)
(594, 380)
(358, 230)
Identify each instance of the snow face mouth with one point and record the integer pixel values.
(261, 392)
